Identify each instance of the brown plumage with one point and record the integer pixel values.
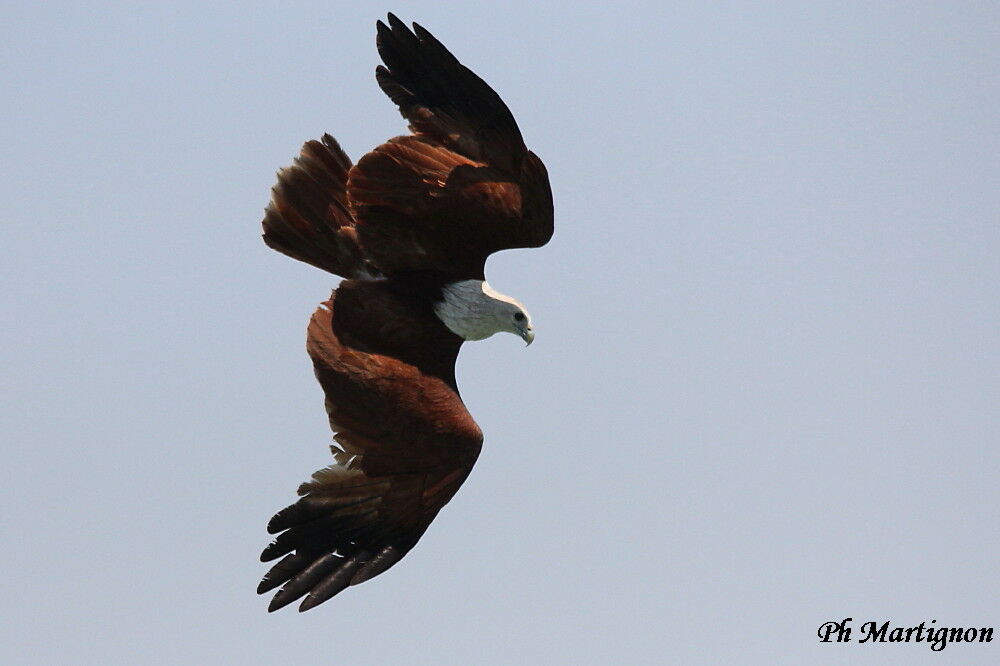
(309, 217)
(415, 215)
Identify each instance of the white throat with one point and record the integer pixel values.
(473, 310)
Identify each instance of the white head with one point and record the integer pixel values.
(473, 310)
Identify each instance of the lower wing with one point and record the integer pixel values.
(405, 443)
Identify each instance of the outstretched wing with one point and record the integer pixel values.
(309, 217)
(464, 186)
(443, 99)
(405, 443)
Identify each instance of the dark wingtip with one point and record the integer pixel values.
(269, 553)
(425, 35)
(277, 603)
(334, 583)
(267, 584)
(394, 24)
(308, 603)
(282, 572)
(279, 600)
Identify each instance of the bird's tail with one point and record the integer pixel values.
(309, 217)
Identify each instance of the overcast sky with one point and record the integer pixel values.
(764, 392)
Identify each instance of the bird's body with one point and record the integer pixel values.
(410, 226)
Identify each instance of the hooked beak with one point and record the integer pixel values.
(527, 334)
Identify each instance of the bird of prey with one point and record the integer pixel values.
(409, 227)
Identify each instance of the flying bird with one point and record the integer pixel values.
(409, 227)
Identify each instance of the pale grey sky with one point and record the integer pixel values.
(764, 392)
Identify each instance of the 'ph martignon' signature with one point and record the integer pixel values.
(875, 632)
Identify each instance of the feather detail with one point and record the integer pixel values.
(309, 218)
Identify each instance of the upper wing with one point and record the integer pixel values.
(405, 445)
(464, 186)
(443, 99)
(309, 217)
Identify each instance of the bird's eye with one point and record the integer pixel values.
(518, 316)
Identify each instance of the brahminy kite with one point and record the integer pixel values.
(410, 227)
